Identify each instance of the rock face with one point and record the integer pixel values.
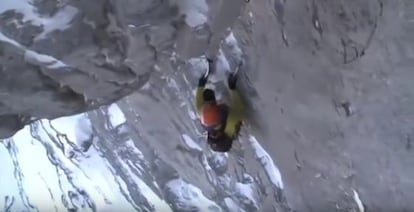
(328, 86)
(65, 57)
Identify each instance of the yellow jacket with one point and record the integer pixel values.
(235, 115)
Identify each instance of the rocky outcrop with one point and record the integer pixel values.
(65, 57)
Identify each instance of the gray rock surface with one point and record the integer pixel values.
(329, 86)
(106, 50)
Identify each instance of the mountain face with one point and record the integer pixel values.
(66, 57)
(97, 105)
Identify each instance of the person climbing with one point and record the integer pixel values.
(221, 122)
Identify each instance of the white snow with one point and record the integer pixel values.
(199, 65)
(189, 195)
(358, 201)
(222, 62)
(34, 57)
(245, 190)
(146, 86)
(90, 173)
(60, 21)
(231, 41)
(195, 11)
(95, 181)
(8, 182)
(266, 161)
(158, 203)
(192, 115)
(131, 146)
(191, 143)
(37, 170)
(246, 193)
(116, 116)
(77, 128)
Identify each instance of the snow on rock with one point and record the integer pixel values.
(9, 192)
(218, 162)
(222, 66)
(116, 116)
(246, 194)
(131, 147)
(34, 57)
(266, 161)
(59, 21)
(232, 43)
(222, 62)
(195, 11)
(92, 183)
(186, 197)
(191, 143)
(199, 65)
(38, 175)
(226, 183)
(358, 201)
(158, 203)
(192, 115)
(77, 129)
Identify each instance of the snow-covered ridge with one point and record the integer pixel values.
(56, 173)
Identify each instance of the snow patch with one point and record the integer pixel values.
(192, 115)
(8, 183)
(158, 203)
(199, 65)
(77, 128)
(266, 161)
(188, 196)
(59, 21)
(195, 11)
(222, 62)
(116, 116)
(191, 143)
(146, 86)
(86, 180)
(232, 43)
(33, 57)
(358, 201)
(246, 194)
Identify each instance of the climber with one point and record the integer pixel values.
(221, 122)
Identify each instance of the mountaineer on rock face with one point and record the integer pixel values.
(221, 121)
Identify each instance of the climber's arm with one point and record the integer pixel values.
(199, 98)
(236, 114)
(202, 83)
